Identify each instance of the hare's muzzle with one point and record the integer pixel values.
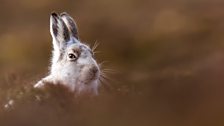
(89, 74)
(94, 72)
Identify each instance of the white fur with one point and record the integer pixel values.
(80, 75)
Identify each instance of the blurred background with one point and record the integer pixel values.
(169, 57)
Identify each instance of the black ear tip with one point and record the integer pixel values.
(54, 14)
(64, 14)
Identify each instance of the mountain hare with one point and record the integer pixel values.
(72, 63)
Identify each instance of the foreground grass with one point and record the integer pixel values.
(55, 105)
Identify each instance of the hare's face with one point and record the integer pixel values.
(73, 63)
(80, 61)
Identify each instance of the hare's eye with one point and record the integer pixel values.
(72, 56)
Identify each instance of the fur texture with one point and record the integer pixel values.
(72, 63)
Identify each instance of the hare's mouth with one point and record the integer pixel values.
(89, 74)
(87, 82)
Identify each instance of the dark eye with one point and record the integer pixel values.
(72, 56)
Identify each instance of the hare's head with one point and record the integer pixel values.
(72, 64)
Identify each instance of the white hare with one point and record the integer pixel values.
(72, 63)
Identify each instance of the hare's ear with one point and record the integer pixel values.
(70, 23)
(59, 31)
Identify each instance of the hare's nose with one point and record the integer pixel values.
(94, 70)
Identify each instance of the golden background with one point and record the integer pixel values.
(168, 57)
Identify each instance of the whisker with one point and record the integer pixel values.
(109, 71)
(96, 44)
(106, 78)
(104, 75)
(95, 52)
(102, 63)
(105, 82)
